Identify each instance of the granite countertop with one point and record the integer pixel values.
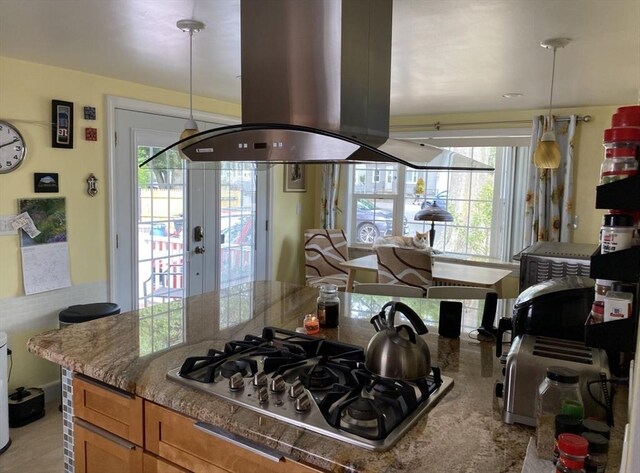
(134, 351)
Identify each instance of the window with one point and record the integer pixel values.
(486, 206)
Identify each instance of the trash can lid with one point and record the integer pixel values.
(76, 314)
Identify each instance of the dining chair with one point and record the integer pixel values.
(458, 292)
(324, 250)
(388, 290)
(404, 266)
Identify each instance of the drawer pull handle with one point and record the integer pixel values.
(106, 387)
(104, 434)
(258, 449)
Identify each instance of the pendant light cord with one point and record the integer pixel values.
(191, 74)
(553, 73)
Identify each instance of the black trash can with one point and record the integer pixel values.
(76, 314)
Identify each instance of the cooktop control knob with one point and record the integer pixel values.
(236, 382)
(260, 379)
(296, 389)
(263, 395)
(277, 384)
(303, 403)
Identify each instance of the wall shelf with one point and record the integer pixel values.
(622, 194)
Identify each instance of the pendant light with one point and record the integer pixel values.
(547, 153)
(190, 26)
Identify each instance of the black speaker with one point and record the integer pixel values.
(450, 319)
(488, 315)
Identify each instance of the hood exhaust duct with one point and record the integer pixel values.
(316, 89)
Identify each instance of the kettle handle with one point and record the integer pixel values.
(408, 312)
(409, 330)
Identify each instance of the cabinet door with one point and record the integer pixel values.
(153, 464)
(108, 408)
(98, 451)
(183, 441)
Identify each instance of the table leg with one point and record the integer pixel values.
(351, 277)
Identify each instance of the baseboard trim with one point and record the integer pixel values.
(52, 392)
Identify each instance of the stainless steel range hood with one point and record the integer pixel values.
(316, 89)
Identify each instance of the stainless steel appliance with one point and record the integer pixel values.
(526, 367)
(317, 384)
(549, 259)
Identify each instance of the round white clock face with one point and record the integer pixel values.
(12, 147)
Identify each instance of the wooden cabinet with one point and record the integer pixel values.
(203, 448)
(98, 451)
(153, 464)
(111, 409)
(112, 427)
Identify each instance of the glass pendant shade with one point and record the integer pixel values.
(547, 154)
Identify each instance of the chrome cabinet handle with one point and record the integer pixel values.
(104, 434)
(241, 442)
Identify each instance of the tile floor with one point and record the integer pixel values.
(36, 447)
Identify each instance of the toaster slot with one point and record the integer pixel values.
(563, 356)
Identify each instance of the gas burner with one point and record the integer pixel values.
(361, 409)
(318, 377)
(244, 367)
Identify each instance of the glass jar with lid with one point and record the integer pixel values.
(559, 393)
(328, 306)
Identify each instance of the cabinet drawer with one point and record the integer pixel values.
(153, 464)
(98, 451)
(183, 441)
(115, 411)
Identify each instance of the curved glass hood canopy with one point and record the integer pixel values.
(315, 89)
(281, 143)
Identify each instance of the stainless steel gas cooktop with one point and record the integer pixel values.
(317, 384)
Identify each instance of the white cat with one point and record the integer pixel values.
(419, 241)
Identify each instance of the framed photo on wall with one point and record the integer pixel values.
(295, 178)
(61, 124)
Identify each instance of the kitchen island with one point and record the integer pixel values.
(134, 351)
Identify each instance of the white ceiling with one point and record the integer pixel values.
(448, 55)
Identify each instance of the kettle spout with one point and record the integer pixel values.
(379, 322)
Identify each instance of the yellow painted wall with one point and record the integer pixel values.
(288, 227)
(26, 90)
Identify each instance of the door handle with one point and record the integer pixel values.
(199, 250)
(198, 233)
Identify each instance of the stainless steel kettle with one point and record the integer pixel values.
(398, 352)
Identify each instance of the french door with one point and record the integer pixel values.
(179, 231)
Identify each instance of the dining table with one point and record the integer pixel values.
(445, 273)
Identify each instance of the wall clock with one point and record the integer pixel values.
(12, 147)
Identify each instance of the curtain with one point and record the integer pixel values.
(549, 203)
(329, 195)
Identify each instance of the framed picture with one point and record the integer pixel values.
(294, 178)
(62, 124)
(45, 182)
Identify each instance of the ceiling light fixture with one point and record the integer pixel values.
(190, 26)
(547, 153)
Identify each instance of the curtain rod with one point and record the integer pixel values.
(438, 125)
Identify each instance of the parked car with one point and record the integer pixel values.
(372, 222)
(440, 198)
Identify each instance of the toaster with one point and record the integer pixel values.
(526, 367)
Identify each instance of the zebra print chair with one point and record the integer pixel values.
(406, 266)
(324, 250)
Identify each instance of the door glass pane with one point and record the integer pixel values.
(160, 226)
(237, 223)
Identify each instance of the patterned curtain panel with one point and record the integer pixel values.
(549, 199)
(329, 195)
